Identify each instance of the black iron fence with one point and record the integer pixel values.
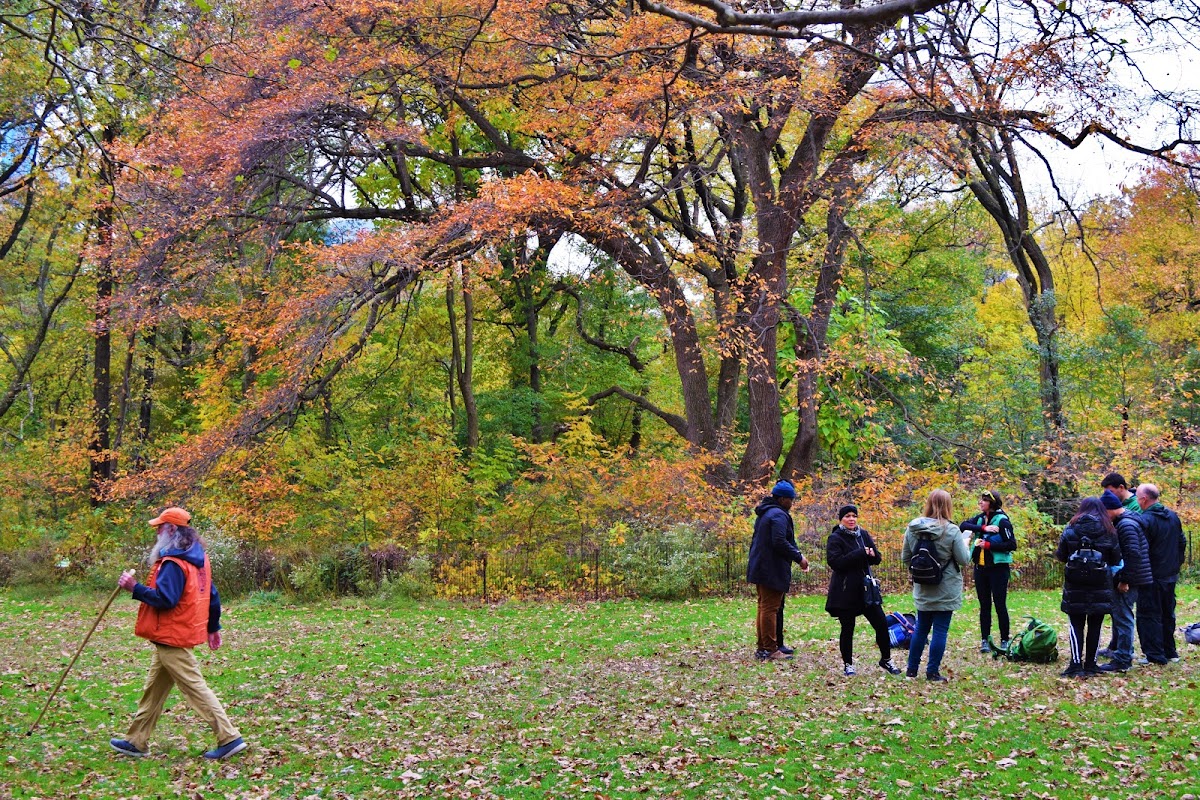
(660, 570)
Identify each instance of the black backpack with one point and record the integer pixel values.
(1086, 567)
(923, 564)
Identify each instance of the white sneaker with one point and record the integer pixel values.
(849, 671)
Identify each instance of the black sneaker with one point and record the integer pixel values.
(889, 667)
(761, 655)
(1106, 652)
(787, 651)
(1113, 666)
(910, 673)
(1091, 670)
(936, 677)
(1073, 670)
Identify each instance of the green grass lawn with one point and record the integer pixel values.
(613, 699)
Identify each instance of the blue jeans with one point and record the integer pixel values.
(1124, 622)
(939, 623)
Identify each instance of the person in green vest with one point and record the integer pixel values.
(1116, 483)
(993, 543)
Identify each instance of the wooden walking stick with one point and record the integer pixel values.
(82, 645)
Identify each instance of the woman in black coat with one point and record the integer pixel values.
(1086, 605)
(849, 553)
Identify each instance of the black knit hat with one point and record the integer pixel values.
(849, 508)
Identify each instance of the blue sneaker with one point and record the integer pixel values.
(125, 748)
(227, 749)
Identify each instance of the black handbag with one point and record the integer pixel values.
(872, 593)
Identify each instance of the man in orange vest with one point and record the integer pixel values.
(179, 609)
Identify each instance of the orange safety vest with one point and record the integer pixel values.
(185, 625)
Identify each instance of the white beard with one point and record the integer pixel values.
(164, 541)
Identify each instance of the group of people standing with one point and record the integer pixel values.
(1142, 543)
(1143, 550)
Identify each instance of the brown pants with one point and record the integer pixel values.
(769, 603)
(176, 666)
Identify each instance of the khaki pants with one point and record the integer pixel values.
(176, 666)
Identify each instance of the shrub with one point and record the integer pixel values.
(414, 581)
(667, 565)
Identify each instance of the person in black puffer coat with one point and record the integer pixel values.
(1085, 606)
(1129, 581)
(850, 552)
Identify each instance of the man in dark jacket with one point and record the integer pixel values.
(179, 609)
(772, 551)
(1135, 575)
(1166, 547)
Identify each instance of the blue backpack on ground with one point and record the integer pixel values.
(901, 628)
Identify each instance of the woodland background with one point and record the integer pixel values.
(539, 297)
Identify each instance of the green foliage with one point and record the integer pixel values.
(414, 582)
(666, 565)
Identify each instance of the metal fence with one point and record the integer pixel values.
(661, 570)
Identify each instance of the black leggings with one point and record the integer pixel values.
(874, 615)
(1083, 648)
(991, 586)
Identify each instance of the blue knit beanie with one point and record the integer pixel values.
(784, 489)
(1110, 500)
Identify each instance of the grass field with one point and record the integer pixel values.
(613, 699)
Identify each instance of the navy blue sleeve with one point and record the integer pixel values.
(168, 588)
(214, 610)
(973, 525)
(1005, 541)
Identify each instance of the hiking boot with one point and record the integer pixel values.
(1073, 670)
(936, 677)
(889, 667)
(227, 749)
(777, 655)
(787, 651)
(126, 748)
(1113, 666)
(984, 647)
(849, 671)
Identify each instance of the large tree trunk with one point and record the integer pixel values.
(767, 289)
(463, 353)
(100, 455)
(811, 334)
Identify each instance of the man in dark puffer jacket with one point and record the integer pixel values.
(1128, 581)
(1167, 547)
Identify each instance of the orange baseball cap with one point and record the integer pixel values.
(174, 515)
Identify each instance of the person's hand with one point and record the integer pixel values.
(1123, 588)
(214, 640)
(991, 528)
(803, 564)
(127, 581)
(870, 551)
(977, 543)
